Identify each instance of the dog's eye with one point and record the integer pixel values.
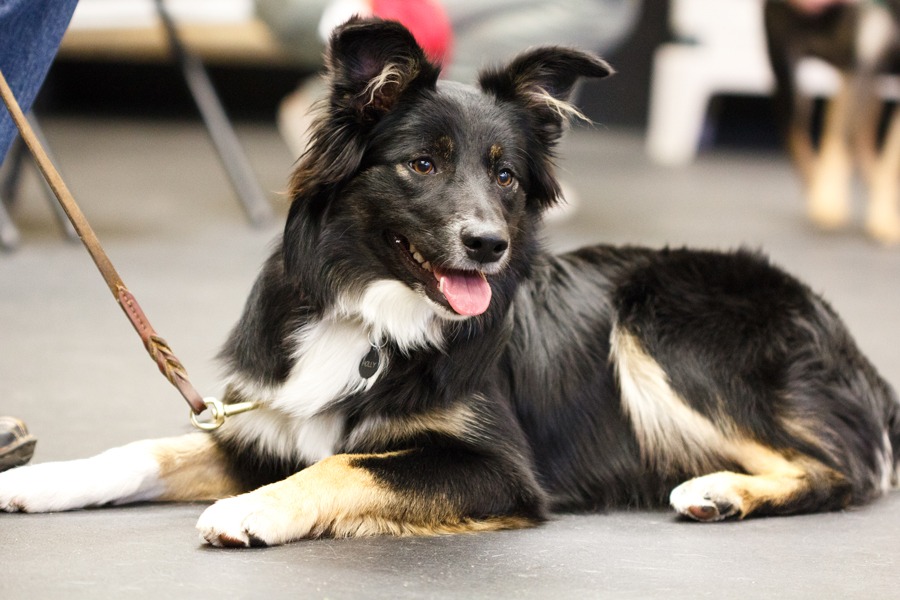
(422, 166)
(504, 177)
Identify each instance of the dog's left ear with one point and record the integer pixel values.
(541, 82)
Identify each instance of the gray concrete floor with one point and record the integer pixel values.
(73, 369)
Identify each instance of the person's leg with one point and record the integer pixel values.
(31, 31)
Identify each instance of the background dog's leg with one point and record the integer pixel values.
(401, 493)
(188, 467)
(866, 136)
(799, 140)
(801, 149)
(776, 486)
(828, 194)
(793, 110)
(883, 210)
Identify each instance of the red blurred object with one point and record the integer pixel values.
(426, 20)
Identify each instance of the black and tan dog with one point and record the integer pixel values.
(862, 40)
(422, 366)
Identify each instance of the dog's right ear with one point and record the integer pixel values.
(371, 64)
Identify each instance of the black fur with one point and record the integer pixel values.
(744, 344)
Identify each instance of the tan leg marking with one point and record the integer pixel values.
(828, 193)
(192, 467)
(883, 210)
(672, 435)
(453, 421)
(800, 147)
(333, 498)
(865, 137)
(675, 437)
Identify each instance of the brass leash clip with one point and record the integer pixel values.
(218, 412)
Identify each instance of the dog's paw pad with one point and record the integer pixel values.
(705, 499)
(23, 490)
(709, 510)
(223, 540)
(11, 505)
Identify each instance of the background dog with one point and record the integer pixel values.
(862, 40)
(423, 366)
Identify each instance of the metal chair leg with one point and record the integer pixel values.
(9, 234)
(9, 184)
(257, 207)
(12, 167)
(60, 214)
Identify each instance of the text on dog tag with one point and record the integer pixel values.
(369, 363)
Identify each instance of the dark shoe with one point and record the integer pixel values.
(16, 444)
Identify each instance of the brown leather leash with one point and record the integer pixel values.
(156, 346)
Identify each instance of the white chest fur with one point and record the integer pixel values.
(327, 352)
(291, 421)
(326, 369)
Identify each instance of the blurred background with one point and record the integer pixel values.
(693, 75)
(177, 123)
(115, 58)
(180, 159)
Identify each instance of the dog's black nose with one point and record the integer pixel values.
(485, 247)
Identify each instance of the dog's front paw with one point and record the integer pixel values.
(32, 489)
(708, 498)
(126, 474)
(11, 487)
(254, 519)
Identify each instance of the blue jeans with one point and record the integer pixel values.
(30, 33)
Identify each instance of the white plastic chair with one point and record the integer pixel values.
(720, 50)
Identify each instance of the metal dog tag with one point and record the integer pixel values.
(368, 366)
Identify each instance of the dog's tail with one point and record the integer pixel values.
(893, 436)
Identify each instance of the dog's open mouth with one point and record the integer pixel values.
(466, 292)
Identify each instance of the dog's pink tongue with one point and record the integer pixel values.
(468, 293)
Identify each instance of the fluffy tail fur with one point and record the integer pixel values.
(893, 424)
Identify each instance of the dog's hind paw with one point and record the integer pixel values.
(708, 498)
(249, 520)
